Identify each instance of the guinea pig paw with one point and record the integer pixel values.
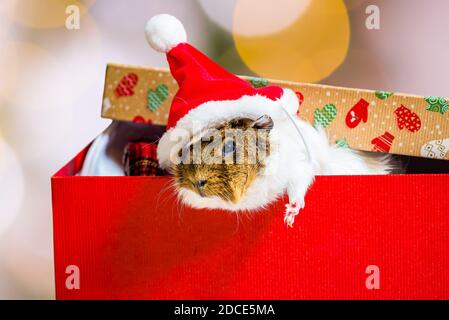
(291, 211)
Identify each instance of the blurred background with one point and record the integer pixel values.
(51, 81)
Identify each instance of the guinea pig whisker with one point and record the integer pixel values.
(166, 188)
(180, 205)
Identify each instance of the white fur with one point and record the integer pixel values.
(164, 32)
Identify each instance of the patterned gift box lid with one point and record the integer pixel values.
(365, 120)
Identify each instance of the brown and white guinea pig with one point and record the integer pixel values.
(223, 172)
(224, 180)
(285, 166)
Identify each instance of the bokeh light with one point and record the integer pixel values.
(11, 192)
(42, 90)
(17, 61)
(43, 13)
(220, 12)
(32, 80)
(308, 45)
(269, 18)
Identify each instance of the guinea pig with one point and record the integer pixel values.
(223, 180)
(221, 177)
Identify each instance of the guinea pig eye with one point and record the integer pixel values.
(228, 147)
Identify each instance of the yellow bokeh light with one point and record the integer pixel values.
(307, 49)
(43, 13)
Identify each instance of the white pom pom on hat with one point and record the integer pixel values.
(164, 32)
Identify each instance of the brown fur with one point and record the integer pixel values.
(225, 180)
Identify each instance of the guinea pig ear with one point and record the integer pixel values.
(263, 122)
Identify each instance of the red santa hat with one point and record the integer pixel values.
(208, 94)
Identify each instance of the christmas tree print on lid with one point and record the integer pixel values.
(383, 95)
(157, 97)
(359, 112)
(383, 143)
(342, 143)
(437, 104)
(258, 82)
(436, 149)
(405, 118)
(322, 118)
(125, 88)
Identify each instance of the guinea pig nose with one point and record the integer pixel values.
(201, 183)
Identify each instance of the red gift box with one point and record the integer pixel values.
(359, 237)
